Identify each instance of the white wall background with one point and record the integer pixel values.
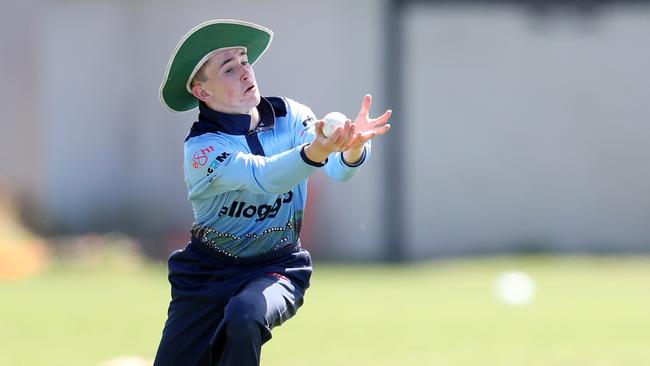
(112, 155)
(521, 132)
(532, 133)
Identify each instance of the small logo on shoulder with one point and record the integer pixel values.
(219, 159)
(308, 126)
(200, 158)
(307, 122)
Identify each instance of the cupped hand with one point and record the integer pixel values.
(350, 138)
(322, 146)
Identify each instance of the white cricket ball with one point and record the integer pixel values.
(333, 120)
(514, 288)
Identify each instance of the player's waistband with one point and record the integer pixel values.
(215, 253)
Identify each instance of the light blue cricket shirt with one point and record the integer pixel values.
(248, 189)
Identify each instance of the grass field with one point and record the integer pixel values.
(587, 311)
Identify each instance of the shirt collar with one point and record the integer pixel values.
(232, 124)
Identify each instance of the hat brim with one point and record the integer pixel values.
(201, 41)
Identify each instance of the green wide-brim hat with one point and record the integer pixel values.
(197, 46)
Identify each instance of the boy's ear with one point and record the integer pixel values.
(199, 93)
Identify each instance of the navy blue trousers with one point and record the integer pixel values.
(222, 312)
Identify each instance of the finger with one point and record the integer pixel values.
(337, 139)
(334, 136)
(319, 127)
(347, 134)
(331, 139)
(348, 131)
(381, 120)
(382, 130)
(361, 138)
(365, 137)
(365, 106)
(351, 138)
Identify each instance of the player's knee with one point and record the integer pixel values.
(241, 318)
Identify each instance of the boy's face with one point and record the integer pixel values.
(230, 86)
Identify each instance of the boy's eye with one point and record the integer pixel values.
(228, 71)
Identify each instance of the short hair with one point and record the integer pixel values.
(200, 76)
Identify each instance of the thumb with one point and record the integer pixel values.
(318, 127)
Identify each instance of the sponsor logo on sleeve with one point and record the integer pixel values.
(308, 126)
(218, 160)
(308, 121)
(200, 158)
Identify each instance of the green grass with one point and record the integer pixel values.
(588, 311)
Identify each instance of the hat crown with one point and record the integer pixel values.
(196, 46)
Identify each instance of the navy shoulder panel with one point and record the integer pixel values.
(196, 130)
(279, 106)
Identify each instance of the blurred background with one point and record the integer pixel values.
(520, 144)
